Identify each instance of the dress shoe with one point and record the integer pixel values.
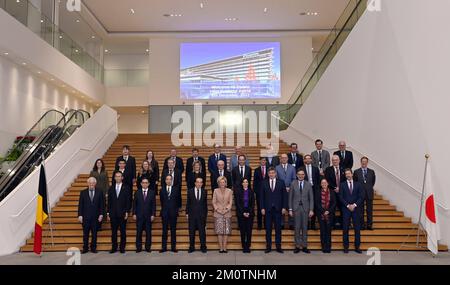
(162, 250)
(113, 251)
(138, 250)
(122, 251)
(191, 250)
(306, 250)
(148, 250)
(279, 250)
(291, 228)
(93, 250)
(204, 250)
(174, 250)
(370, 228)
(346, 250)
(225, 251)
(268, 250)
(84, 251)
(296, 250)
(358, 251)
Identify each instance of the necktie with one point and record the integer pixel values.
(221, 173)
(320, 158)
(343, 155)
(338, 177)
(91, 195)
(309, 174)
(198, 194)
(284, 167)
(300, 185)
(145, 195)
(271, 185)
(242, 172)
(351, 188)
(294, 158)
(264, 172)
(217, 157)
(117, 191)
(168, 191)
(365, 174)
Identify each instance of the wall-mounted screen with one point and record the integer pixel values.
(237, 70)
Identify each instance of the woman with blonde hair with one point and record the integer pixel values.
(222, 203)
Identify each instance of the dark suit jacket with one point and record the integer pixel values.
(318, 203)
(315, 175)
(177, 180)
(357, 196)
(258, 180)
(277, 198)
(144, 209)
(239, 201)
(191, 176)
(170, 205)
(348, 161)
(274, 162)
(190, 161)
(237, 178)
(118, 206)
(212, 162)
(214, 177)
(130, 167)
(194, 208)
(151, 176)
(367, 183)
(179, 164)
(331, 178)
(91, 210)
(298, 161)
(127, 178)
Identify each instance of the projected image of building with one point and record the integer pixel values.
(250, 75)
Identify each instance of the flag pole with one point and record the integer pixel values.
(50, 223)
(427, 157)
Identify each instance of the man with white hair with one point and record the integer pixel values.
(91, 207)
(345, 156)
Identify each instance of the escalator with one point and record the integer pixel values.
(51, 130)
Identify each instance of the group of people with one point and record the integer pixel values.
(289, 191)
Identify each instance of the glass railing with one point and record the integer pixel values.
(41, 25)
(348, 19)
(126, 78)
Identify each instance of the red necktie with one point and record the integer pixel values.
(351, 188)
(264, 172)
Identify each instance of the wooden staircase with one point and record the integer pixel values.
(391, 227)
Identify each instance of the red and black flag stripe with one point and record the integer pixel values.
(41, 211)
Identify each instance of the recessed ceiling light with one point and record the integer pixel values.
(132, 11)
(6, 53)
(201, 5)
(39, 72)
(60, 37)
(77, 21)
(147, 50)
(24, 63)
(76, 50)
(265, 10)
(106, 50)
(309, 14)
(231, 19)
(92, 37)
(42, 21)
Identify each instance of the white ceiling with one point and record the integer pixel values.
(281, 15)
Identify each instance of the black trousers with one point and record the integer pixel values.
(197, 224)
(90, 226)
(338, 223)
(325, 233)
(246, 227)
(273, 217)
(354, 217)
(116, 224)
(143, 225)
(170, 221)
(367, 207)
(259, 216)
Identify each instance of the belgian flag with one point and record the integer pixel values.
(41, 211)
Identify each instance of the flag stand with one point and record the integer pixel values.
(420, 228)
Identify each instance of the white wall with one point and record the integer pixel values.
(386, 92)
(76, 155)
(126, 61)
(133, 123)
(164, 64)
(21, 42)
(24, 98)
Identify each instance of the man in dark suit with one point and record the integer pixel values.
(274, 202)
(221, 171)
(119, 205)
(366, 177)
(294, 158)
(176, 178)
(312, 175)
(215, 158)
(335, 175)
(127, 174)
(195, 157)
(144, 212)
(197, 212)
(241, 172)
(91, 207)
(260, 175)
(130, 166)
(179, 164)
(169, 213)
(351, 195)
(345, 156)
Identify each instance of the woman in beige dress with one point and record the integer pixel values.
(222, 203)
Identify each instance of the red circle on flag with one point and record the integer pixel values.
(429, 209)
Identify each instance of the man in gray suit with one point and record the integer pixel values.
(320, 157)
(301, 207)
(234, 161)
(366, 177)
(286, 172)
